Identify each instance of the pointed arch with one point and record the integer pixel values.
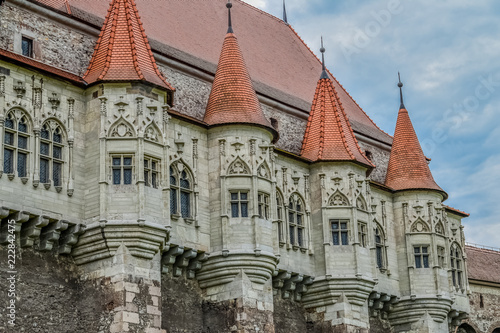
(361, 203)
(239, 167)
(121, 128)
(52, 151)
(296, 219)
(181, 180)
(419, 226)
(338, 199)
(439, 228)
(264, 171)
(456, 265)
(280, 215)
(153, 133)
(380, 250)
(18, 127)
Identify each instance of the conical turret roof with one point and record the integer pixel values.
(408, 168)
(122, 52)
(233, 98)
(329, 136)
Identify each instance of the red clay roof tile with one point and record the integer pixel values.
(408, 167)
(329, 136)
(122, 52)
(232, 98)
(193, 29)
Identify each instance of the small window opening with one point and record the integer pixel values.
(274, 123)
(368, 154)
(27, 47)
(481, 303)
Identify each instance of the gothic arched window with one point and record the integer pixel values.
(296, 220)
(380, 247)
(280, 216)
(181, 191)
(456, 266)
(16, 144)
(51, 153)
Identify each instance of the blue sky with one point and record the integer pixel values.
(448, 53)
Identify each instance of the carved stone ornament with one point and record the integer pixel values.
(263, 171)
(121, 129)
(439, 228)
(361, 203)
(20, 89)
(338, 199)
(419, 226)
(152, 133)
(238, 167)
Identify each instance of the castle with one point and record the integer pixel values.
(198, 169)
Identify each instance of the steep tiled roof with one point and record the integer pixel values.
(456, 211)
(408, 167)
(329, 136)
(232, 98)
(122, 52)
(190, 31)
(32, 63)
(483, 264)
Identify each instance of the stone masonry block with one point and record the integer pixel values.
(150, 309)
(154, 291)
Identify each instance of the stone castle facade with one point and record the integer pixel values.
(155, 191)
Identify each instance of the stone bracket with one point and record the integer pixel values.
(291, 284)
(381, 304)
(50, 234)
(178, 259)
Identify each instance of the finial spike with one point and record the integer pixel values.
(229, 26)
(284, 13)
(324, 75)
(400, 85)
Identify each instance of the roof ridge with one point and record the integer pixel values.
(261, 11)
(340, 85)
(350, 127)
(111, 44)
(132, 38)
(339, 121)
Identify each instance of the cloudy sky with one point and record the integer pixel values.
(448, 53)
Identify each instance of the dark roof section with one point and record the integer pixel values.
(269, 56)
(483, 264)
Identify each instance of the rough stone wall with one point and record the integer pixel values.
(51, 297)
(485, 307)
(380, 158)
(54, 44)
(379, 325)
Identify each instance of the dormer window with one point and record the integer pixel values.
(27, 47)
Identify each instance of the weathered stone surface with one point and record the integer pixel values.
(51, 296)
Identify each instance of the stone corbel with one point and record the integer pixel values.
(70, 237)
(182, 261)
(51, 233)
(31, 230)
(302, 287)
(169, 258)
(290, 285)
(19, 217)
(279, 280)
(195, 265)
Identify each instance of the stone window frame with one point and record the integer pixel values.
(421, 258)
(441, 256)
(181, 182)
(296, 221)
(340, 234)
(152, 171)
(280, 217)
(27, 46)
(52, 158)
(264, 205)
(123, 168)
(363, 234)
(240, 203)
(14, 144)
(456, 266)
(380, 248)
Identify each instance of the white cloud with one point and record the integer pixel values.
(261, 4)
